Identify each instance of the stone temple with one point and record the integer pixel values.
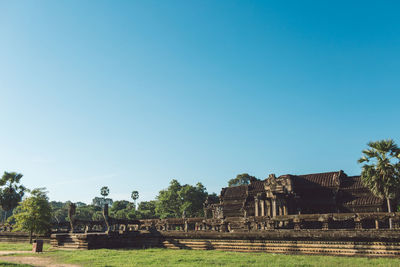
(318, 193)
(323, 213)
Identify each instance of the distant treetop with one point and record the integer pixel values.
(241, 179)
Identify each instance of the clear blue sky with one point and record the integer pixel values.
(131, 94)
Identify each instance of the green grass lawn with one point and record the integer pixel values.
(167, 257)
(19, 246)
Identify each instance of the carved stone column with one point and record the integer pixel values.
(273, 207)
(376, 224)
(280, 208)
(262, 207)
(256, 206)
(285, 210)
(268, 202)
(280, 211)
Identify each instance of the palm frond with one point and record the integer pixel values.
(382, 175)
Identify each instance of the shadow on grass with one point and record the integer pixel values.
(9, 264)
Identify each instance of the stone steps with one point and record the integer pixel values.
(70, 242)
(308, 247)
(240, 242)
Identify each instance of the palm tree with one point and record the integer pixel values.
(11, 192)
(104, 191)
(382, 175)
(135, 196)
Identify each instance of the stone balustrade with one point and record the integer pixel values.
(376, 220)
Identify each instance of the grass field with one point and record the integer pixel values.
(165, 257)
(5, 246)
(19, 246)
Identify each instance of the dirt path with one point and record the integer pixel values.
(31, 260)
(8, 252)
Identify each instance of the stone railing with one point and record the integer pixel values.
(107, 224)
(375, 220)
(84, 226)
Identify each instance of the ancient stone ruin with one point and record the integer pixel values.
(325, 213)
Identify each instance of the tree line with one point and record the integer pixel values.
(175, 201)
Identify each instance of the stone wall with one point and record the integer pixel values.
(13, 237)
(371, 243)
(364, 234)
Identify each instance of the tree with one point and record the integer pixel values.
(123, 209)
(86, 212)
(11, 192)
(147, 209)
(382, 175)
(33, 214)
(135, 196)
(59, 211)
(98, 215)
(241, 179)
(193, 198)
(100, 201)
(178, 199)
(169, 201)
(80, 204)
(119, 205)
(104, 191)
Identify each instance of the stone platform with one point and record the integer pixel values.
(371, 243)
(20, 237)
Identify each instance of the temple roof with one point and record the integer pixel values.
(234, 192)
(325, 179)
(352, 183)
(256, 186)
(369, 200)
